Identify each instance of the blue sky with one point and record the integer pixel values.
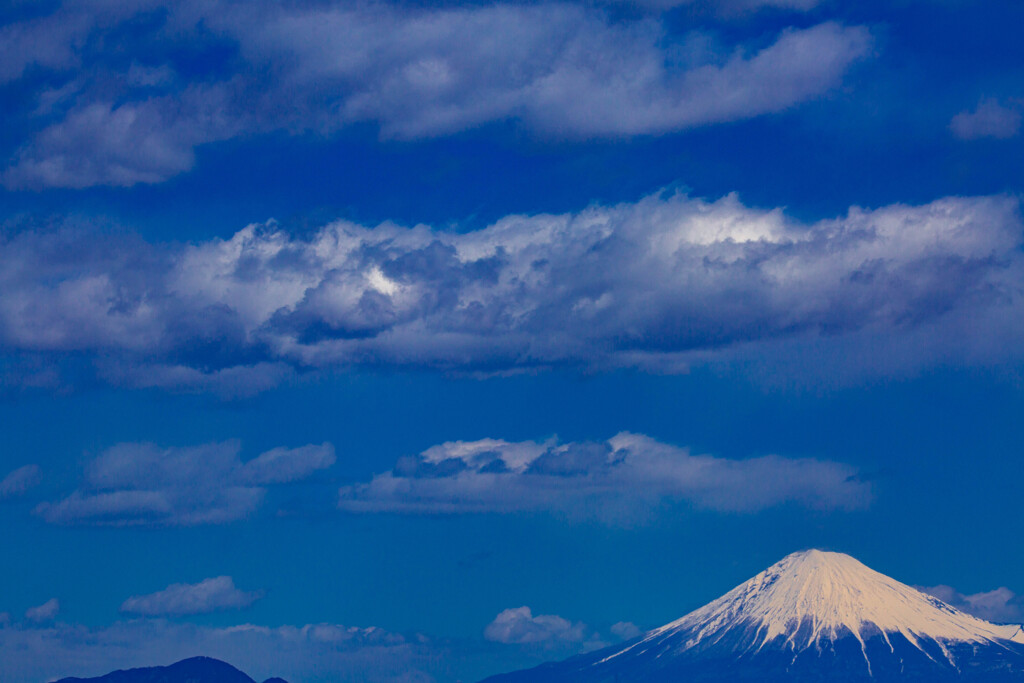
(332, 336)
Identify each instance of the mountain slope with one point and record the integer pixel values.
(813, 616)
(194, 670)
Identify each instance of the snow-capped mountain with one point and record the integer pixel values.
(814, 616)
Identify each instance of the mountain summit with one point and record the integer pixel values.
(815, 597)
(813, 616)
(192, 670)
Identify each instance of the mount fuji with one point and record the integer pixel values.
(814, 616)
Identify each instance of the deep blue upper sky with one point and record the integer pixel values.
(331, 331)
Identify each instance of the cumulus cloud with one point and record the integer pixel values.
(143, 484)
(519, 625)
(619, 479)
(1000, 605)
(560, 69)
(19, 481)
(319, 653)
(44, 612)
(209, 595)
(989, 120)
(658, 284)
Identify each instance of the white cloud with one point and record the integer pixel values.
(19, 481)
(722, 7)
(142, 484)
(800, 65)
(519, 625)
(625, 630)
(622, 479)
(209, 595)
(44, 612)
(658, 284)
(990, 120)
(1000, 605)
(560, 69)
(101, 143)
(283, 465)
(318, 653)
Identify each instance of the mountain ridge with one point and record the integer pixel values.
(812, 616)
(191, 670)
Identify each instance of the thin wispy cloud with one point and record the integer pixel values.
(19, 481)
(142, 484)
(621, 480)
(209, 595)
(44, 612)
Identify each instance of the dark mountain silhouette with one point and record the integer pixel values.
(194, 670)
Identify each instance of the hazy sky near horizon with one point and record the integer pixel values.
(414, 341)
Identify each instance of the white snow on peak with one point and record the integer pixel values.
(834, 595)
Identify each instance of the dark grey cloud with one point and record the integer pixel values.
(621, 480)
(143, 484)
(660, 284)
(560, 69)
(209, 595)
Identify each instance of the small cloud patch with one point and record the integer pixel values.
(210, 595)
(989, 120)
(44, 612)
(520, 626)
(626, 630)
(19, 481)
